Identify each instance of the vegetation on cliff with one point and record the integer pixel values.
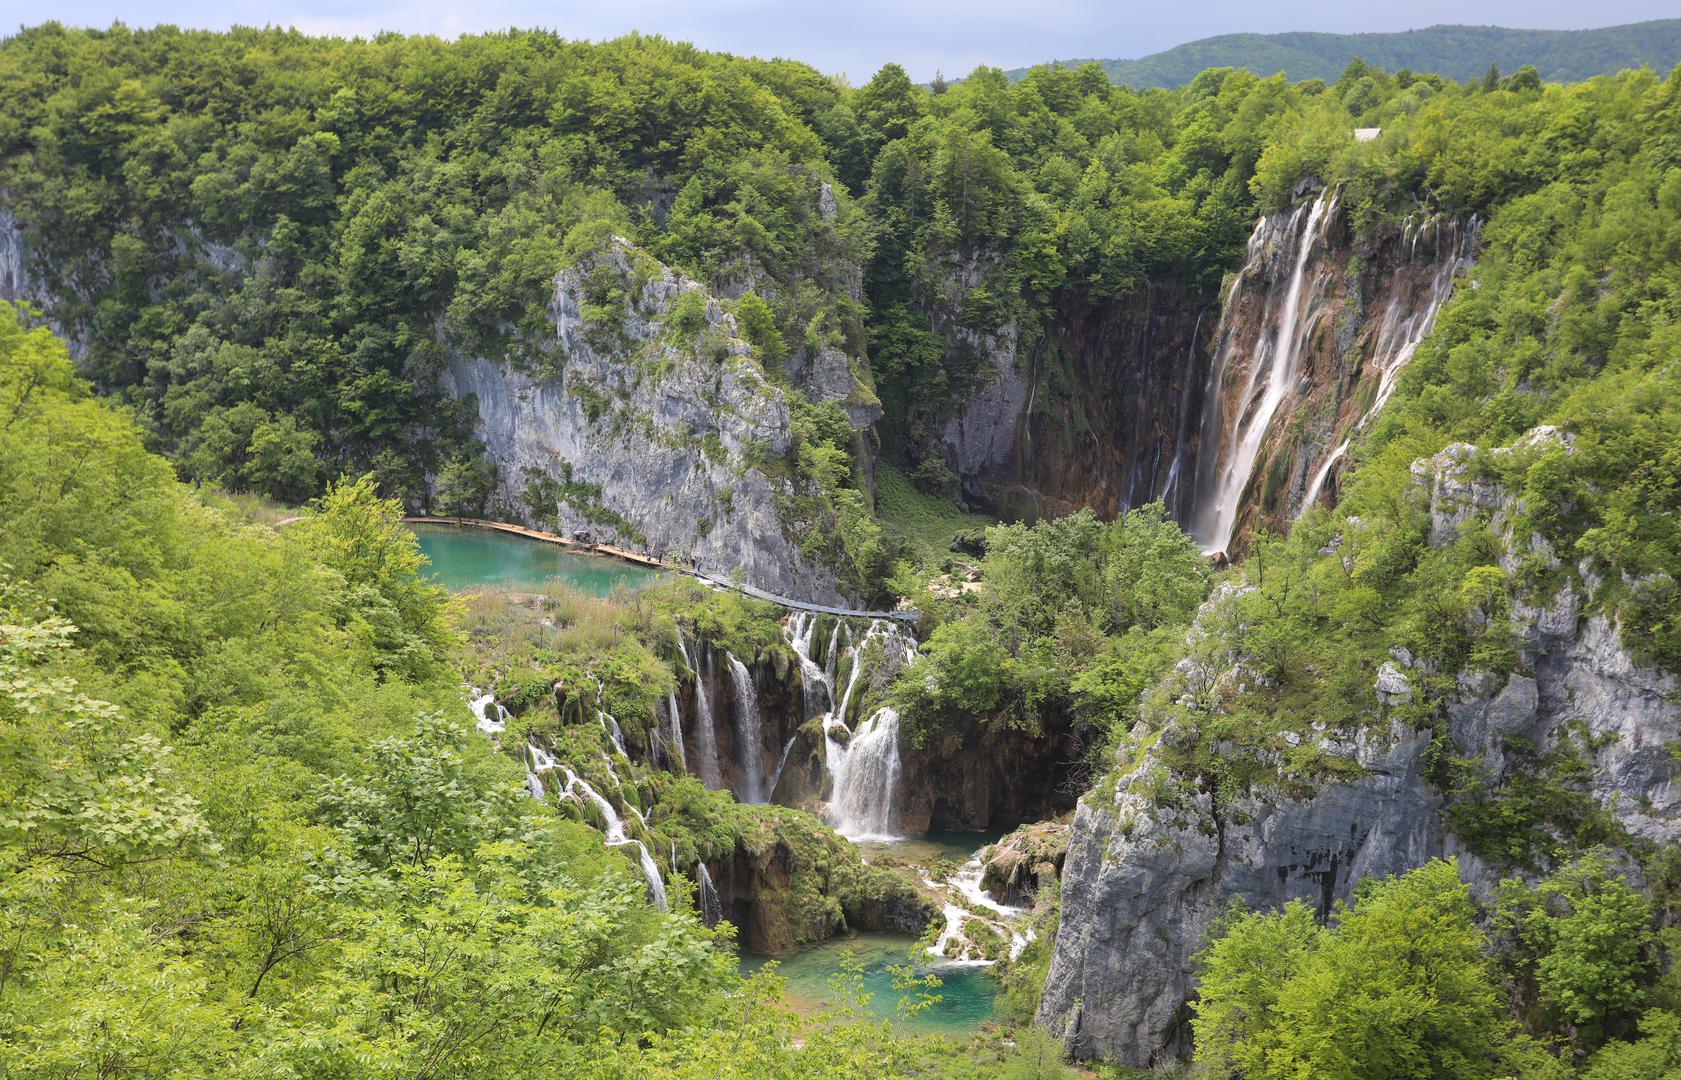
(249, 828)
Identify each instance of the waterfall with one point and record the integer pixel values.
(614, 834)
(1274, 364)
(1170, 487)
(776, 777)
(538, 761)
(749, 732)
(489, 716)
(611, 727)
(675, 735)
(865, 768)
(706, 736)
(968, 903)
(711, 910)
(1404, 327)
(865, 776)
(817, 690)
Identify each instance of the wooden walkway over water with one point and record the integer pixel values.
(640, 559)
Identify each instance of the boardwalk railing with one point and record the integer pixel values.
(640, 559)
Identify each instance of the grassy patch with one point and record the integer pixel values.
(924, 524)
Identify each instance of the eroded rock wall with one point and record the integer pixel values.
(1153, 861)
(629, 430)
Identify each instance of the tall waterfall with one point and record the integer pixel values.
(711, 911)
(674, 733)
(1450, 246)
(1274, 367)
(750, 736)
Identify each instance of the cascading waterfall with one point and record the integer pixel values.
(865, 776)
(816, 683)
(706, 735)
(537, 762)
(489, 715)
(1404, 325)
(968, 900)
(614, 833)
(749, 732)
(1273, 371)
(711, 909)
(674, 735)
(863, 768)
(611, 727)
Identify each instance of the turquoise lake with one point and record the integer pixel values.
(966, 994)
(464, 557)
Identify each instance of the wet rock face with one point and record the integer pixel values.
(978, 779)
(1150, 867)
(644, 433)
(1122, 402)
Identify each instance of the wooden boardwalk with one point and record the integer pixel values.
(639, 559)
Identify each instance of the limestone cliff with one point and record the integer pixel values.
(1156, 855)
(1234, 409)
(646, 422)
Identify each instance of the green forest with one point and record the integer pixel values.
(249, 828)
(1455, 52)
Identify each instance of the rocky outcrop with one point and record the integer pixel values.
(789, 881)
(1013, 869)
(646, 422)
(1155, 856)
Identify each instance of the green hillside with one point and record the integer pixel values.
(1458, 52)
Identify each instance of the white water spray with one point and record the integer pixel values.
(750, 736)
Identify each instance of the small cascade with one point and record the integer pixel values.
(537, 762)
(970, 903)
(614, 833)
(865, 774)
(674, 733)
(749, 732)
(611, 727)
(776, 777)
(711, 909)
(488, 714)
(1274, 369)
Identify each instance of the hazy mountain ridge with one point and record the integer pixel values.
(1458, 52)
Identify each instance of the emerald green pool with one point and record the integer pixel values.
(467, 558)
(966, 994)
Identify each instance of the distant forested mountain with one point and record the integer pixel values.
(1458, 52)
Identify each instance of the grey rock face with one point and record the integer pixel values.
(981, 439)
(1147, 874)
(649, 442)
(1144, 882)
(13, 284)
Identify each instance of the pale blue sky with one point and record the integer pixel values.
(855, 38)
